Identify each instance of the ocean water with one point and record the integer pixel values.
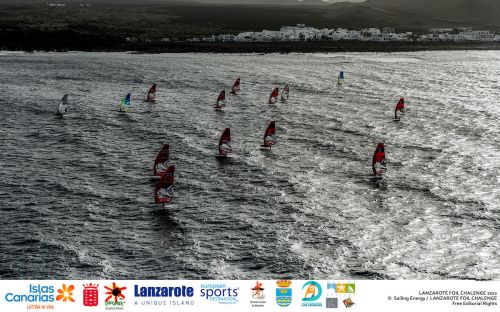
(76, 201)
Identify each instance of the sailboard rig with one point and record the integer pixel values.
(164, 191)
(162, 161)
(269, 138)
(151, 96)
(400, 109)
(340, 78)
(221, 100)
(236, 86)
(62, 108)
(285, 93)
(225, 143)
(378, 161)
(125, 104)
(274, 96)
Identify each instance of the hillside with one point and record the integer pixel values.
(37, 25)
(479, 12)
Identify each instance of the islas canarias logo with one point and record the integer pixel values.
(311, 294)
(65, 293)
(115, 299)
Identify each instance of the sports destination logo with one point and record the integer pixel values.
(311, 294)
(220, 293)
(284, 293)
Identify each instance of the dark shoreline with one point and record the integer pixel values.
(310, 47)
(71, 41)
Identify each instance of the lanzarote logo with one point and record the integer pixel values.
(158, 295)
(258, 297)
(65, 293)
(312, 293)
(90, 295)
(115, 299)
(284, 293)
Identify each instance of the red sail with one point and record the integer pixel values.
(378, 161)
(401, 105)
(269, 134)
(221, 100)
(222, 96)
(164, 192)
(236, 86)
(151, 93)
(161, 161)
(400, 108)
(274, 95)
(225, 142)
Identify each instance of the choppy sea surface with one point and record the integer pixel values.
(76, 201)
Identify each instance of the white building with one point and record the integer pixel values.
(454, 37)
(225, 38)
(479, 35)
(208, 39)
(303, 33)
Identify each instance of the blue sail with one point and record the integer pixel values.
(340, 78)
(125, 105)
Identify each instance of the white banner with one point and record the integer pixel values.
(248, 295)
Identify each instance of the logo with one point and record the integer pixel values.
(346, 288)
(336, 290)
(90, 295)
(348, 302)
(284, 293)
(258, 297)
(258, 291)
(158, 293)
(37, 297)
(342, 288)
(220, 293)
(332, 303)
(312, 293)
(35, 294)
(115, 298)
(65, 293)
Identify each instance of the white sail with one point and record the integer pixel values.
(62, 108)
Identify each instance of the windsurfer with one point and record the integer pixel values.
(399, 108)
(378, 161)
